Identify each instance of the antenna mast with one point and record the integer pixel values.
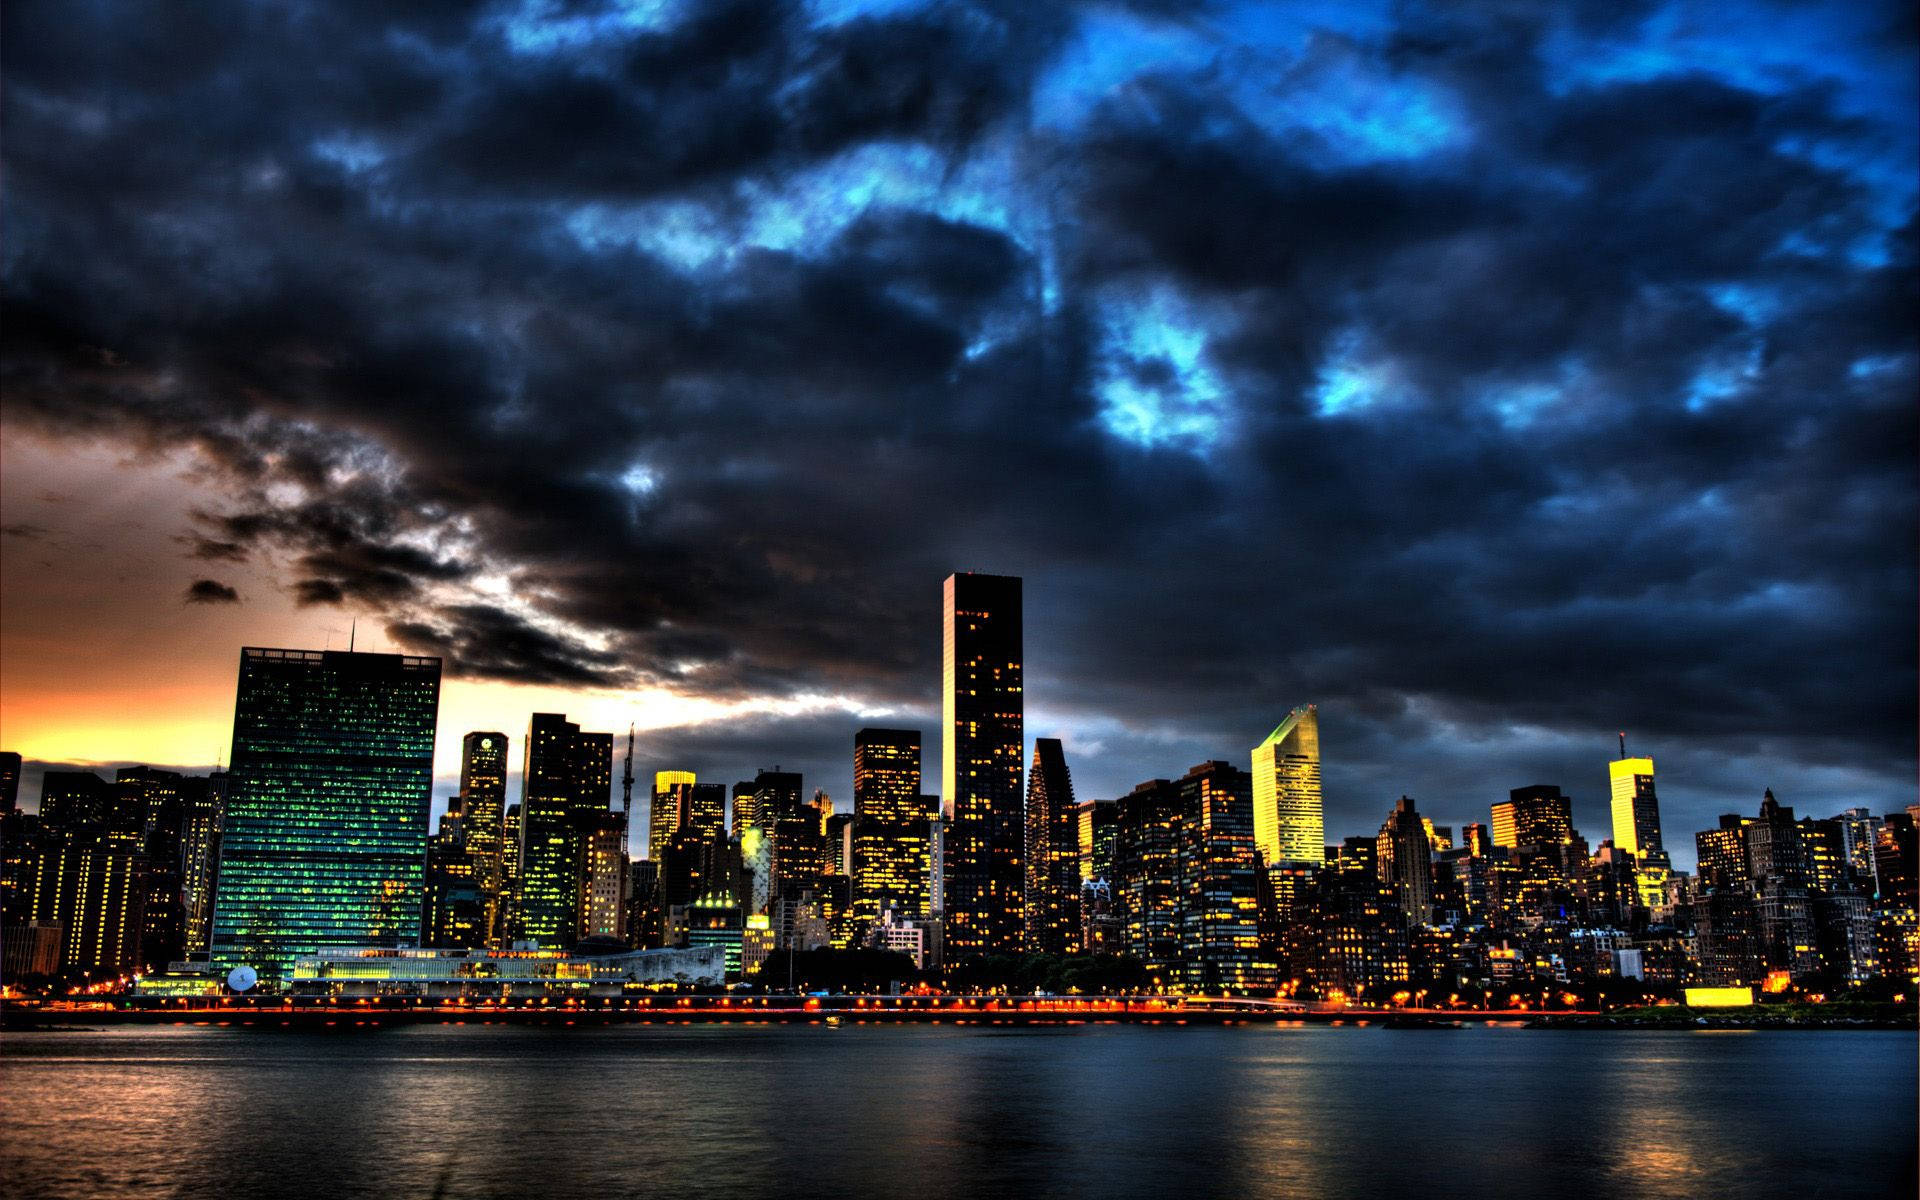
(626, 777)
(1623, 744)
(353, 631)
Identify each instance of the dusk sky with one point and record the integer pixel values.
(1495, 376)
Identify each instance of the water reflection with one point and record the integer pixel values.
(935, 1112)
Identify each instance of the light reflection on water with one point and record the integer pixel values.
(933, 1112)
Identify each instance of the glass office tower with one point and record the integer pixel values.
(1289, 821)
(325, 832)
(983, 707)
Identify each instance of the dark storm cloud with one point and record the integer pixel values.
(211, 591)
(1540, 405)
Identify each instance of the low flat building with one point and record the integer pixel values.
(478, 974)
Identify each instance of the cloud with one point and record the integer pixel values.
(211, 591)
(1444, 371)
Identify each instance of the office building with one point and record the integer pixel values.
(325, 836)
(1052, 853)
(1636, 810)
(1220, 947)
(890, 833)
(568, 783)
(1539, 815)
(1289, 821)
(663, 815)
(983, 739)
(483, 791)
(1403, 858)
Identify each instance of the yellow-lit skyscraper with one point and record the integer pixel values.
(1636, 810)
(1636, 828)
(663, 814)
(890, 867)
(1289, 818)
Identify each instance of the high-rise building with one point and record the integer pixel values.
(483, 791)
(151, 806)
(776, 796)
(983, 709)
(9, 780)
(325, 836)
(508, 918)
(568, 783)
(743, 806)
(1636, 810)
(1220, 883)
(1859, 827)
(890, 847)
(603, 877)
(92, 890)
(1403, 855)
(1096, 820)
(456, 903)
(1538, 815)
(1289, 818)
(1148, 892)
(1052, 852)
(200, 860)
(663, 815)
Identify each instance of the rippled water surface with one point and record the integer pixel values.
(932, 1112)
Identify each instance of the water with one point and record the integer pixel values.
(928, 1112)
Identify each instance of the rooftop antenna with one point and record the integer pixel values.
(1623, 743)
(626, 776)
(352, 631)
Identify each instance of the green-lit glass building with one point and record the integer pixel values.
(331, 777)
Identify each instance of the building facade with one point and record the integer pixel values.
(983, 711)
(1289, 817)
(329, 789)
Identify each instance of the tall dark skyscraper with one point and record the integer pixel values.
(568, 783)
(1053, 853)
(776, 796)
(1403, 855)
(983, 709)
(890, 834)
(9, 781)
(483, 802)
(330, 784)
(200, 860)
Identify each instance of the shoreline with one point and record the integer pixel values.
(860, 1010)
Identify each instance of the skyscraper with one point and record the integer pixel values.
(890, 847)
(9, 780)
(1220, 881)
(568, 783)
(1636, 827)
(983, 709)
(200, 860)
(663, 815)
(483, 790)
(1053, 853)
(1636, 810)
(1538, 815)
(1404, 859)
(1289, 822)
(776, 796)
(325, 835)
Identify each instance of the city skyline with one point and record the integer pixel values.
(1490, 438)
(1600, 817)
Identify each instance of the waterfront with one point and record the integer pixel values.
(925, 1111)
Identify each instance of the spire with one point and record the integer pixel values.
(626, 776)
